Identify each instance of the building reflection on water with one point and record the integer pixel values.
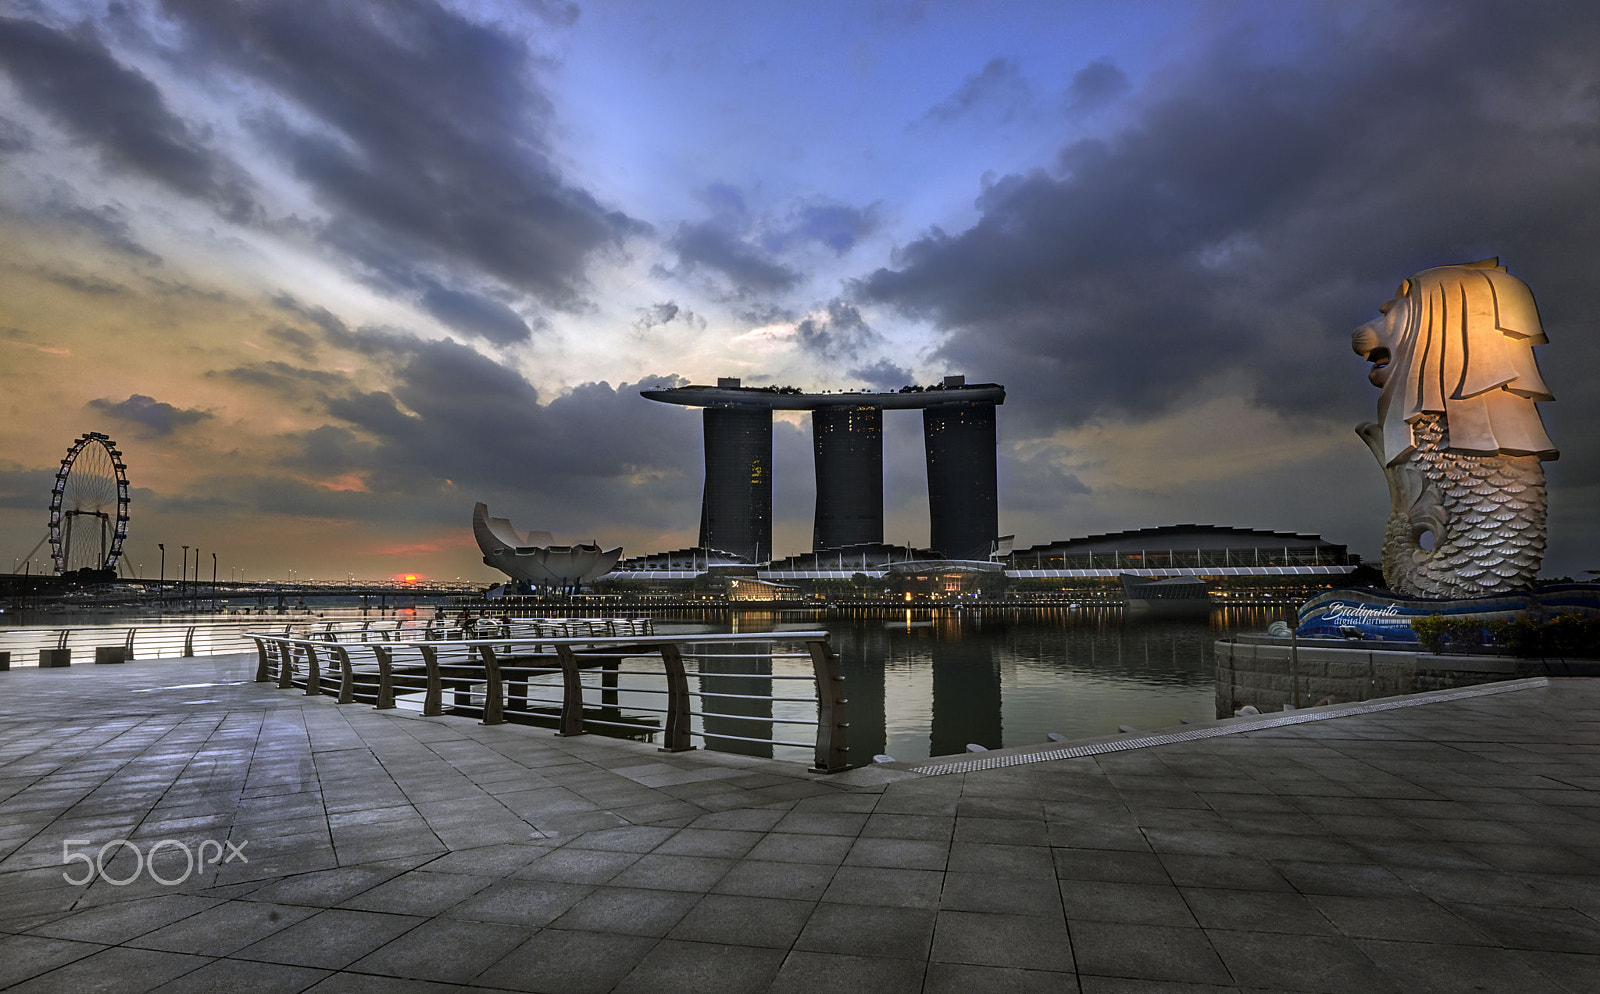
(928, 684)
(740, 669)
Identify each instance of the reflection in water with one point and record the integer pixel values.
(927, 687)
(726, 733)
(966, 692)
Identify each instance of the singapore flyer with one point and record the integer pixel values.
(89, 508)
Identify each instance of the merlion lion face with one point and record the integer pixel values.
(1377, 340)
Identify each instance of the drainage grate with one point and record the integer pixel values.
(1274, 721)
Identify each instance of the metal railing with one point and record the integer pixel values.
(56, 645)
(408, 629)
(575, 682)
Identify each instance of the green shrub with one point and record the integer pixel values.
(1430, 632)
(1568, 634)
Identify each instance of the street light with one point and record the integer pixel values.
(213, 583)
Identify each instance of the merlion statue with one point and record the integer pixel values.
(1458, 435)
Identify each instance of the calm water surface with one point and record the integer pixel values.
(923, 685)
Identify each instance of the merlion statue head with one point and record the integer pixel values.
(1458, 341)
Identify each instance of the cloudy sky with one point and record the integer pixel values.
(331, 271)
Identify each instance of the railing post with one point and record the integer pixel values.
(128, 645)
(347, 675)
(493, 708)
(432, 702)
(385, 676)
(285, 665)
(313, 671)
(831, 726)
(188, 642)
(571, 693)
(675, 737)
(261, 657)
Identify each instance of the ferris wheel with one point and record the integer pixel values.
(89, 506)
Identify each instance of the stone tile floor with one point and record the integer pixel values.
(1447, 847)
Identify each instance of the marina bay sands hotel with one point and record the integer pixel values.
(958, 427)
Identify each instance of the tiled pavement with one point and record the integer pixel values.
(1447, 847)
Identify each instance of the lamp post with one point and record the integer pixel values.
(183, 576)
(161, 588)
(213, 583)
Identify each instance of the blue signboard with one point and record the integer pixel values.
(1384, 617)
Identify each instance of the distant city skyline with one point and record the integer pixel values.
(330, 273)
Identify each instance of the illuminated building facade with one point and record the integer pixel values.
(958, 431)
(849, 460)
(736, 505)
(963, 509)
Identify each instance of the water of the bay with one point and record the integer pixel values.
(929, 684)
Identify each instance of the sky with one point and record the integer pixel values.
(330, 271)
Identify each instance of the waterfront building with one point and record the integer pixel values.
(958, 435)
(963, 504)
(736, 506)
(679, 564)
(533, 558)
(1184, 550)
(848, 443)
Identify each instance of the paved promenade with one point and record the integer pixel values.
(1453, 846)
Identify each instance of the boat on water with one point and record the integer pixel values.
(1168, 597)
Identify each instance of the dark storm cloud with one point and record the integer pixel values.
(302, 344)
(1256, 210)
(998, 90)
(476, 315)
(88, 285)
(333, 329)
(712, 245)
(667, 312)
(839, 333)
(838, 226)
(1037, 483)
(1094, 86)
(430, 136)
(105, 223)
(882, 375)
(75, 79)
(748, 248)
(459, 426)
(332, 450)
(283, 378)
(154, 416)
(26, 489)
(656, 315)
